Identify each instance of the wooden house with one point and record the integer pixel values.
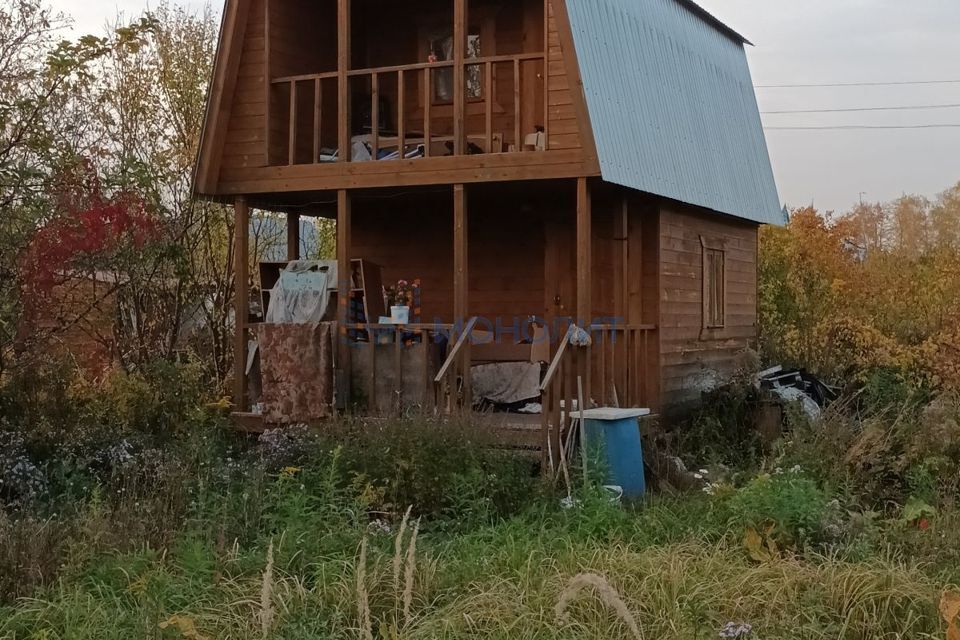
(594, 162)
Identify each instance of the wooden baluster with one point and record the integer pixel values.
(546, 460)
(637, 357)
(402, 116)
(372, 405)
(375, 114)
(569, 373)
(292, 151)
(427, 103)
(643, 368)
(398, 363)
(317, 118)
(517, 125)
(488, 87)
(603, 367)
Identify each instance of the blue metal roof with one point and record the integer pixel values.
(672, 105)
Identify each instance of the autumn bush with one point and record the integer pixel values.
(875, 289)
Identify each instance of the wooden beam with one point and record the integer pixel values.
(459, 74)
(293, 236)
(436, 170)
(241, 299)
(217, 120)
(343, 66)
(344, 290)
(461, 286)
(461, 280)
(584, 254)
(268, 91)
(572, 64)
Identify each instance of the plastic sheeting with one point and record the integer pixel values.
(302, 294)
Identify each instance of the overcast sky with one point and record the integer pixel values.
(820, 42)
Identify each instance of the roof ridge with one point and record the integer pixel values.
(696, 9)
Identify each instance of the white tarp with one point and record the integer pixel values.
(302, 293)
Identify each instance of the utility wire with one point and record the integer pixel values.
(854, 84)
(859, 109)
(865, 127)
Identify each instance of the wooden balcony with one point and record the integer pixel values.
(401, 113)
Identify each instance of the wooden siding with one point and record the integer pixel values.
(275, 45)
(245, 144)
(411, 237)
(564, 132)
(695, 359)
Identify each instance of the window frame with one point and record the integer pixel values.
(714, 287)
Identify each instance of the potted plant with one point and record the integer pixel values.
(399, 297)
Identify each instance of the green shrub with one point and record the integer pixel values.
(789, 502)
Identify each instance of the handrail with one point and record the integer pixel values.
(417, 66)
(623, 327)
(329, 75)
(443, 64)
(557, 360)
(458, 347)
(406, 328)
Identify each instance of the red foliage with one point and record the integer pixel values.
(92, 226)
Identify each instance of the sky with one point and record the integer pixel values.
(819, 42)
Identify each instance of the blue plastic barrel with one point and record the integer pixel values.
(613, 436)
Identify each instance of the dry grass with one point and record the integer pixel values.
(409, 574)
(608, 595)
(266, 595)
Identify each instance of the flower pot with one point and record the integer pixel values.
(400, 314)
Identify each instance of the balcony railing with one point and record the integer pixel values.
(385, 136)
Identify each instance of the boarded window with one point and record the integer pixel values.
(714, 288)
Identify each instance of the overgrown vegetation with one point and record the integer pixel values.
(133, 511)
(129, 509)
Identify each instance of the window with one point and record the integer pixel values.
(714, 288)
(440, 49)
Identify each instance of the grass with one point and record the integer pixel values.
(682, 590)
(323, 537)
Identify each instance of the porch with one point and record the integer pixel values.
(503, 272)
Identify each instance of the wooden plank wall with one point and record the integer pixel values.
(694, 360)
(561, 117)
(411, 237)
(245, 143)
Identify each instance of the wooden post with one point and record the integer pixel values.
(584, 254)
(293, 236)
(344, 291)
(343, 65)
(241, 300)
(459, 74)
(461, 281)
(460, 260)
(585, 273)
(292, 141)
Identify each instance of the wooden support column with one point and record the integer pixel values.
(344, 290)
(293, 236)
(585, 281)
(241, 300)
(584, 254)
(343, 66)
(460, 265)
(461, 283)
(459, 74)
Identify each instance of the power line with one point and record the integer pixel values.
(859, 109)
(854, 84)
(853, 127)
